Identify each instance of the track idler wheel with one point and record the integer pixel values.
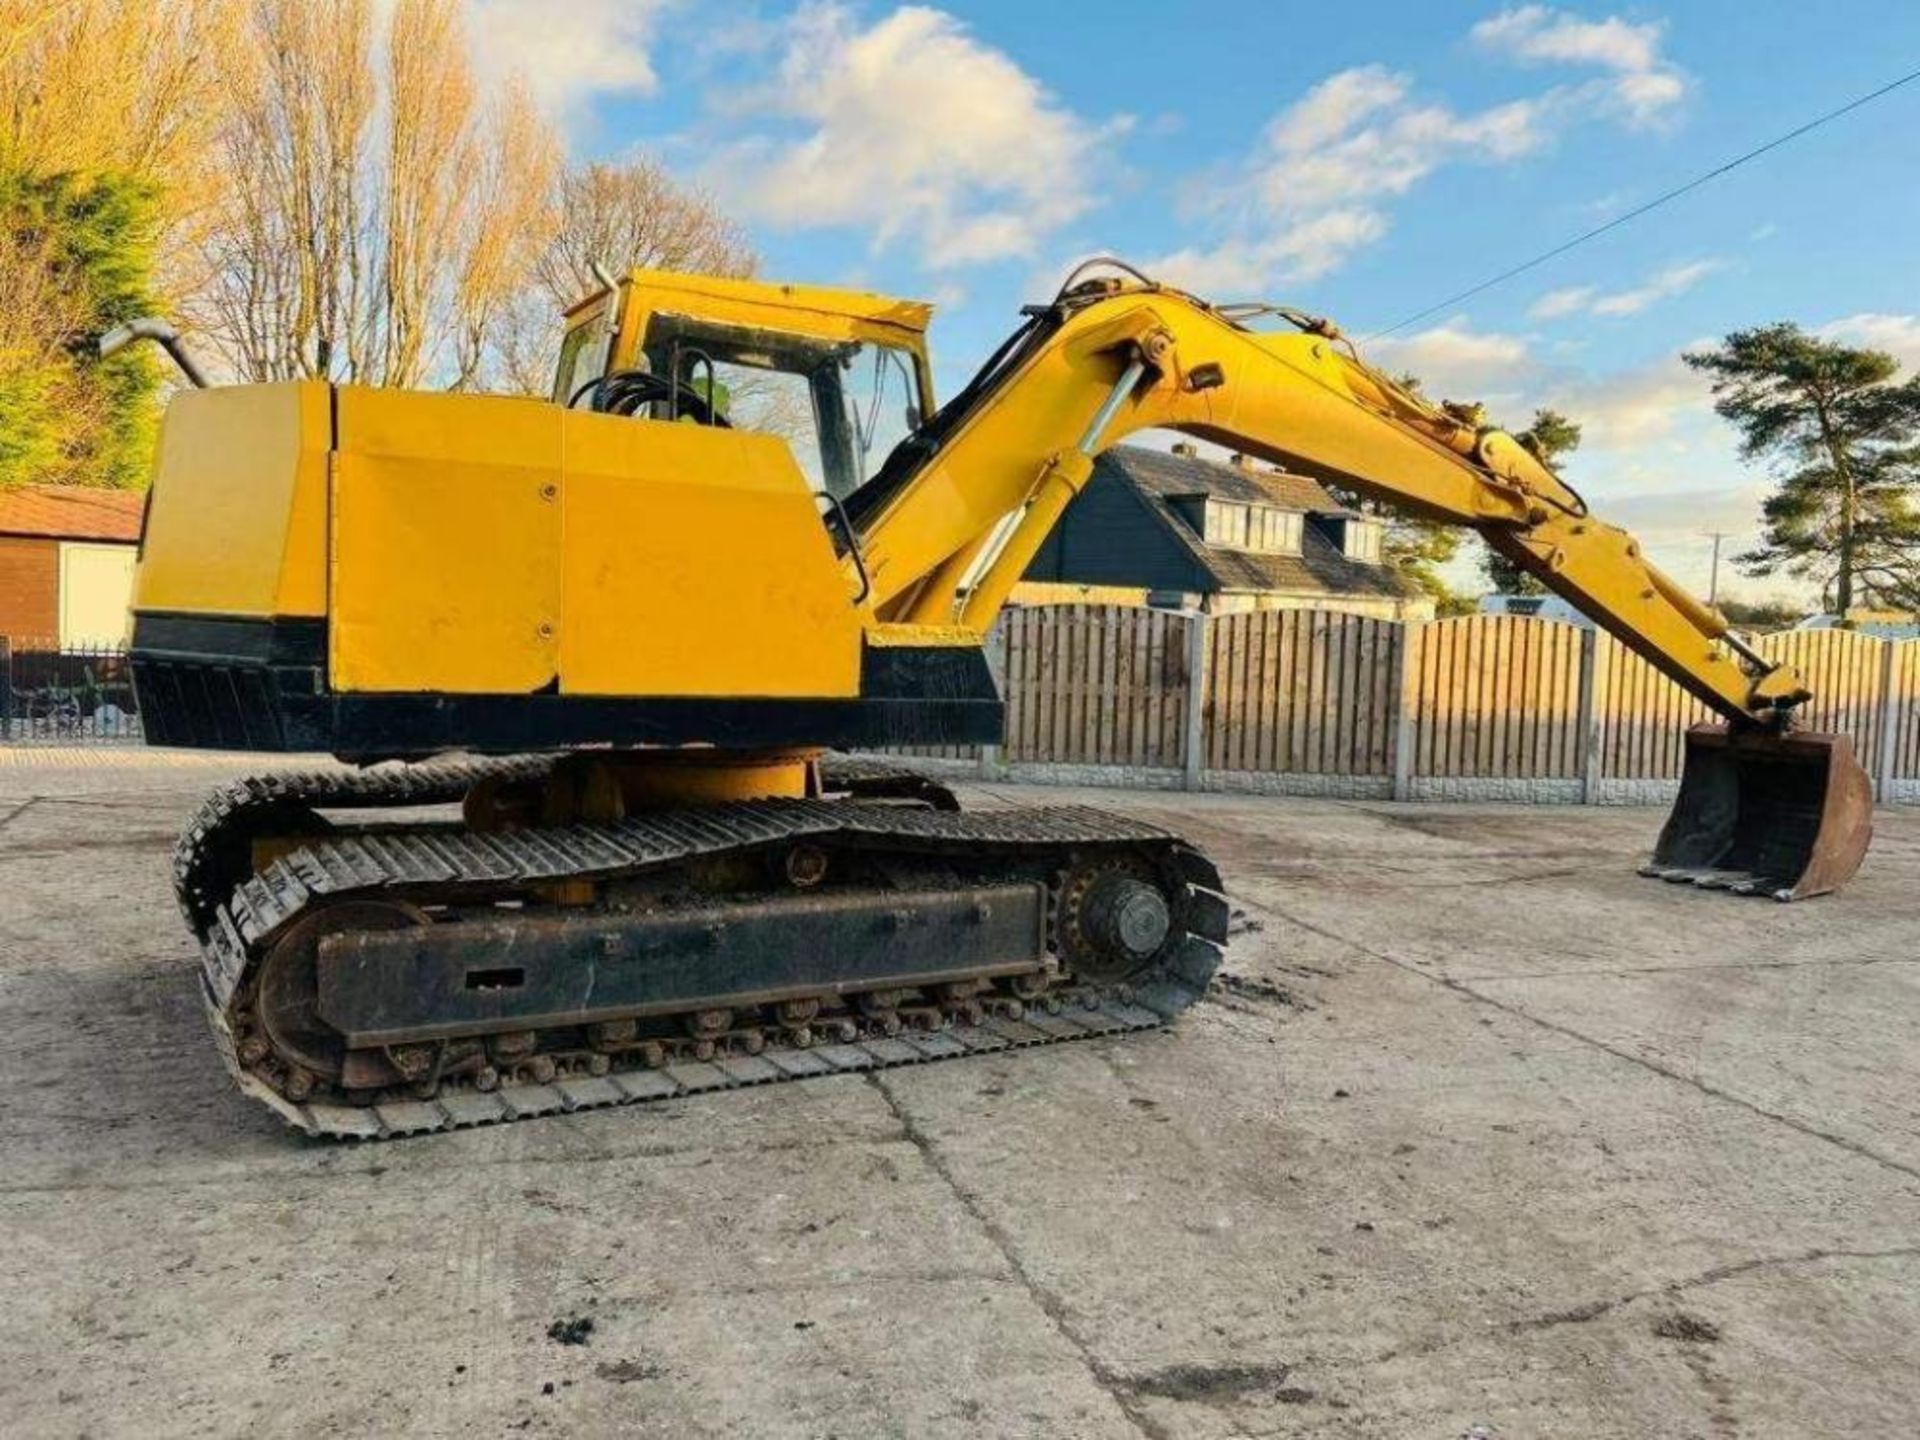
(1786, 816)
(286, 996)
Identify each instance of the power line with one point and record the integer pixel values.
(1653, 204)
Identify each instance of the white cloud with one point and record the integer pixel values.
(1674, 280)
(1303, 250)
(1653, 457)
(1628, 413)
(1604, 206)
(1556, 303)
(1536, 33)
(1358, 136)
(915, 129)
(1321, 182)
(569, 54)
(1316, 188)
(1456, 362)
(1898, 335)
(1642, 84)
(1632, 411)
(1589, 300)
(1688, 519)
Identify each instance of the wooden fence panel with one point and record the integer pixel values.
(1095, 685)
(1301, 692)
(1905, 674)
(1641, 716)
(1498, 697)
(1843, 669)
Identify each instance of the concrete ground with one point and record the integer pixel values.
(1478, 1135)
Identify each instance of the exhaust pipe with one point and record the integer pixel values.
(150, 327)
(1788, 816)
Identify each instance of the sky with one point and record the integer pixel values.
(1359, 162)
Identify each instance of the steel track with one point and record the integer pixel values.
(206, 869)
(441, 863)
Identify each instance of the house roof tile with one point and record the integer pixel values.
(67, 512)
(1159, 473)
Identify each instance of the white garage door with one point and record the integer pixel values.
(96, 594)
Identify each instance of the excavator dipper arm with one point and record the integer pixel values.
(951, 525)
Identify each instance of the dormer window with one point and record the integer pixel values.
(1237, 525)
(1358, 537)
(1363, 541)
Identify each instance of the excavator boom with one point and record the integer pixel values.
(1762, 808)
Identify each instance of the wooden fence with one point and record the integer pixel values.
(1301, 691)
(1482, 706)
(1094, 685)
(1500, 697)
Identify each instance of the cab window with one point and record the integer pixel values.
(583, 355)
(841, 406)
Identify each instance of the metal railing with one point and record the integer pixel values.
(66, 694)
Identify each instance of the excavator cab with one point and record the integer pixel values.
(840, 376)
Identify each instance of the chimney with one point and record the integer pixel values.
(1186, 449)
(1243, 462)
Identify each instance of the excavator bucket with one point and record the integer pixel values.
(1788, 816)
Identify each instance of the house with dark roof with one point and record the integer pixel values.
(1174, 531)
(66, 565)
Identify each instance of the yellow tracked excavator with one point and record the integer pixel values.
(592, 658)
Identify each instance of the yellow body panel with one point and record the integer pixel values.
(696, 564)
(237, 524)
(484, 545)
(446, 543)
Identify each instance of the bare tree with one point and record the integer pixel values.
(620, 217)
(283, 287)
(344, 198)
(636, 214)
(617, 216)
(506, 230)
(89, 85)
(375, 218)
(431, 146)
